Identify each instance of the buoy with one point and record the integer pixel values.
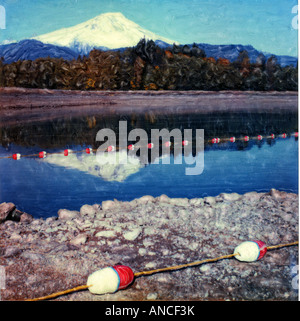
(232, 139)
(150, 145)
(111, 148)
(215, 140)
(250, 251)
(42, 154)
(67, 151)
(131, 147)
(284, 135)
(296, 134)
(16, 156)
(89, 150)
(185, 142)
(168, 144)
(272, 136)
(259, 137)
(246, 138)
(110, 279)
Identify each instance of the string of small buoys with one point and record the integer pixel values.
(112, 148)
(118, 277)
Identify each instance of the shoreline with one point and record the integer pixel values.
(43, 256)
(26, 105)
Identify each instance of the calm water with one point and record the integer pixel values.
(43, 186)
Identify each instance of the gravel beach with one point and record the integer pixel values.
(43, 256)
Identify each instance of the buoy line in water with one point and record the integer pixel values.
(168, 144)
(118, 277)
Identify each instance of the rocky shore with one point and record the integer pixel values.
(41, 257)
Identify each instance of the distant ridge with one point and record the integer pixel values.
(33, 49)
(30, 49)
(231, 53)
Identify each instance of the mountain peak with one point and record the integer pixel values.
(111, 30)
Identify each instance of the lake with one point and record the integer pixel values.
(41, 187)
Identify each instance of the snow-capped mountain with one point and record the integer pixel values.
(111, 31)
(106, 31)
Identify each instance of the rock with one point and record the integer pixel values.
(11, 251)
(163, 199)
(150, 265)
(88, 210)
(150, 231)
(179, 201)
(142, 251)
(107, 205)
(152, 296)
(26, 218)
(15, 215)
(97, 207)
(109, 233)
(252, 196)
(196, 201)
(277, 195)
(209, 200)
(15, 236)
(133, 203)
(5, 210)
(64, 214)
(132, 235)
(33, 257)
(146, 199)
(79, 239)
(204, 267)
(230, 197)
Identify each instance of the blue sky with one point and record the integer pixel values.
(264, 24)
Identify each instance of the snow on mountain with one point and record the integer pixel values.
(108, 30)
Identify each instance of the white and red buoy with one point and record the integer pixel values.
(185, 143)
(259, 137)
(111, 148)
(246, 138)
(89, 150)
(284, 135)
(67, 152)
(16, 156)
(250, 251)
(168, 144)
(42, 154)
(232, 139)
(272, 136)
(150, 145)
(110, 279)
(215, 140)
(131, 147)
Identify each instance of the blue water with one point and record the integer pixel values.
(41, 189)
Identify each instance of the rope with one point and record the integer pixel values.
(178, 267)
(54, 295)
(281, 245)
(213, 141)
(170, 268)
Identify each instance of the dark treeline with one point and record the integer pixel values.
(148, 67)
